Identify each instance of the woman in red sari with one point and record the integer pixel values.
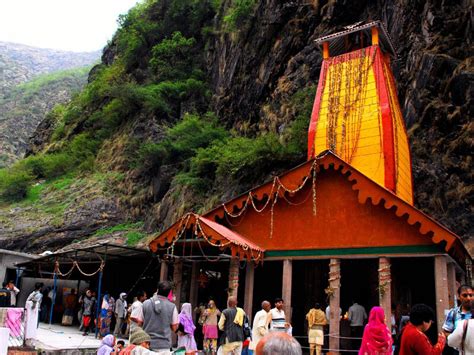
(377, 338)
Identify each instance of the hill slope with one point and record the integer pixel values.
(24, 106)
(20, 63)
(197, 101)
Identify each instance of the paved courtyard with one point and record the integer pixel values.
(58, 337)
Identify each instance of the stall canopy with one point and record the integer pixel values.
(187, 235)
(109, 267)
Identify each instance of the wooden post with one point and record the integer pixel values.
(286, 287)
(451, 284)
(441, 288)
(325, 50)
(193, 292)
(249, 281)
(375, 36)
(233, 277)
(385, 289)
(334, 304)
(178, 281)
(164, 271)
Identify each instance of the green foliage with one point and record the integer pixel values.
(37, 84)
(238, 14)
(296, 138)
(182, 141)
(134, 237)
(14, 184)
(133, 231)
(173, 58)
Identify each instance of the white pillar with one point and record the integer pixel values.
(441, 288)
(233, 277)
(334, 303)
(451, 284)
(385, 289)
(286, 287)
(249, 282)
(164, 271)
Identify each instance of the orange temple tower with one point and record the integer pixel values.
(356, 113)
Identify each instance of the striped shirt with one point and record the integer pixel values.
(278, 320)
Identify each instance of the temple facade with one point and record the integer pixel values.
(339, 228)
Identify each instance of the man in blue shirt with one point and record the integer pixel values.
(457, 315)
(460, 313)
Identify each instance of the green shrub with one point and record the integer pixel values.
(173, 58)
(14, 184)
(182, 141)
(238, 14)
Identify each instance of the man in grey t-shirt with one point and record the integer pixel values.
(160, 318)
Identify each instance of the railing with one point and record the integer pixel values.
(13, 319)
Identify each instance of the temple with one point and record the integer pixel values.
(341, 226)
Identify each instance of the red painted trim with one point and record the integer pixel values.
(316, 106)
(392, 80)
(387, 123)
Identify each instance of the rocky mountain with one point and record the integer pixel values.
(32, 81)
(197, 101)
(24, 106)
(20, 63)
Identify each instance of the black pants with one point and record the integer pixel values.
(356, 332)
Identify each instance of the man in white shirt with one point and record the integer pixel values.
(136, 312)
(277, 317)
(260, 324)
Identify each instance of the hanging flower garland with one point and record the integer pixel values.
(278, 189)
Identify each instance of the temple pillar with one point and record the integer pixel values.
(249, 281)
(164, 271)
(452, 284)
(385, 289)
(178, 282)
(441, 288)
(194, 286)
(233, 287)
(325, 50)
(286, 287)
(334, 303)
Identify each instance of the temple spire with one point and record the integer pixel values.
(356, 113)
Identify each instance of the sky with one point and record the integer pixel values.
(71, 25)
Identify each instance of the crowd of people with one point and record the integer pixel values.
(148, 325)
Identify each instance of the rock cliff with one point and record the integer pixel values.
(255, 67)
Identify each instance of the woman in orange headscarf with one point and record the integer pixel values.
(377, 339)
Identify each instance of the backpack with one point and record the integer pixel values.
(246, 328)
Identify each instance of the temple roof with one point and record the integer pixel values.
(211, 233)
(337, 43)
(210, 226)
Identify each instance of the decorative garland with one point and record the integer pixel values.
(278, 186)
(352, 69)
(75, 264)
(385, 279)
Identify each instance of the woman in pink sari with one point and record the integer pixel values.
(377, 338)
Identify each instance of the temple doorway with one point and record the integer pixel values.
(267, 284)
(310, 278)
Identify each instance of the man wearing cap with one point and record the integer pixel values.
(120, 313)
(139, 343)
(160, 318)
